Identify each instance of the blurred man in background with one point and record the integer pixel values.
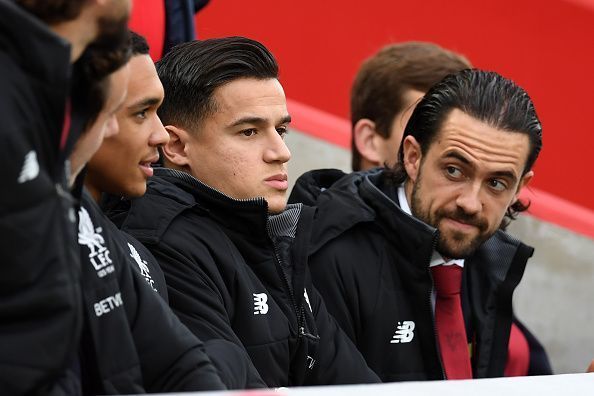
(40, 307)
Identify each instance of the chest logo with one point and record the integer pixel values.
(260, 303)
(91, 237)
(404, 332)
(142, 265)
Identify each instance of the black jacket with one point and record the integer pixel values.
(40, 296)
(228, 281)
(132, 341)
(370, 261)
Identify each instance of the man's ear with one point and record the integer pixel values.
(175, 151)
(412, 157)
(523, 183)
(365, 139)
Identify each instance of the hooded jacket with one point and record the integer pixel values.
(132, 341)
(40, 298)
(237, 275)
(370, 261)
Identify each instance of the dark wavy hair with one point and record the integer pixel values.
(192, 71)
(90, 85)
(484, 95)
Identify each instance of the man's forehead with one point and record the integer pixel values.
(144, 81)
(481, 142)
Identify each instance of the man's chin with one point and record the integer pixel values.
(276, 205)
(457, 249)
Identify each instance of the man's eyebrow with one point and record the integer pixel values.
(258, 120)
(458, 156)
(147, 102)
(502, 173)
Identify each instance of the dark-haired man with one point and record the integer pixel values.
(233, 253)
(40, 306)
(150, 350)
(411, 260)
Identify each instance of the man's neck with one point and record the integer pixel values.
(94, 191)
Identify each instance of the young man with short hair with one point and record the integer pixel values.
(40, 307)
(148, 349)
(384, 240)
(216, 219)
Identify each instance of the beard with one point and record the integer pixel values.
(451, 243)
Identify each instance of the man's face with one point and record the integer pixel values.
(389, 147)
(105, 125)
(464, 184)
(122, 164)
(239, 149)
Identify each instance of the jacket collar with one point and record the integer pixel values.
(248, 217)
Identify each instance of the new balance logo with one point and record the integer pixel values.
(260, 305)
(404, 332)
(30, 168)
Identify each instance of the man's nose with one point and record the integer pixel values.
(276, 150)
(469, 199)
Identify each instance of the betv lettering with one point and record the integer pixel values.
(404, 332)
(260, 305)
(108, 304)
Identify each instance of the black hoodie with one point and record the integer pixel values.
(236, 274)
(370, 261)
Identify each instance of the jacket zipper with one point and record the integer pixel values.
(438, 350)
(300, 324)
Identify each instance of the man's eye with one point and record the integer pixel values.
(249, 132)
(141, 114)
(454, 172)
(497, 185)
(282, 131)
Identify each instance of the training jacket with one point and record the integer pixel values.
(370, 261)
(40, 296)
(132, 342)
(229, 280)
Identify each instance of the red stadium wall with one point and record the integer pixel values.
(545, 46)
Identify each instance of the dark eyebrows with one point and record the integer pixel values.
(148, 102)
(258, 120)
(497, 174)
(458, 156)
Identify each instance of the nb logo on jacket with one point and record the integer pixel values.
(260, 303)
(404, 332)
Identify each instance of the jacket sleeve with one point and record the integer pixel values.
(339, 360)
(198, 298)
(171, 357)
(40, 298)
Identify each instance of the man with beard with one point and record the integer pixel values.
(40, 306)
(411, 259)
